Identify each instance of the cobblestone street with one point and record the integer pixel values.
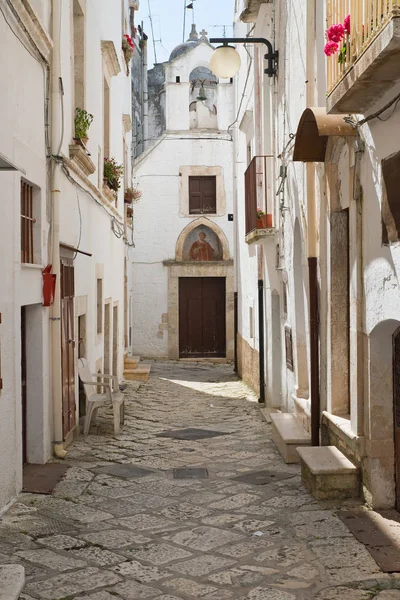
(123, 524)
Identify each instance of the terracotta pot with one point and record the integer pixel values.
(129, 212)
(264, 222)
(128, 198)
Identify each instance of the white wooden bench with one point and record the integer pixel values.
(111, 394)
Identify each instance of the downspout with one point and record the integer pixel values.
(55, 318)
(145, 129)
(258, 151)
(261, 339)
(312, 236)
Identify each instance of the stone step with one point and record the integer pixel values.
(131, 362)
(141, 373)
(12, 580)
(287, 434)
(328, 474)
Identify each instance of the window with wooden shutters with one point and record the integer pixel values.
(285, 299)
(202, 195)
(289, 348)
(27, 223)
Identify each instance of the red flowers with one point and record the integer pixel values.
(331, 48)
(346, 24)
(335, 34)
(129, 40)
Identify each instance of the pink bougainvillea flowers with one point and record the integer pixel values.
(346, 25)
(331, 48)
(335, 33)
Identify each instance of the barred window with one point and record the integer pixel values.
(27, 223)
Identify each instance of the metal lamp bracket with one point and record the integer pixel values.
(271, 57)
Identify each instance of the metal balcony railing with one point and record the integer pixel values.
(367, 19)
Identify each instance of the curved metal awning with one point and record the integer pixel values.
(315, 126)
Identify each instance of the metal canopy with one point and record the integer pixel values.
(315, 126)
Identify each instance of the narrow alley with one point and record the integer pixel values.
(190, 500)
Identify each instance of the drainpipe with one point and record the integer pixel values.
(145, 128)
(261, 340)
(55, 318)
(312, 237)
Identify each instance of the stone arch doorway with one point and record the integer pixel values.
(201, 294)
(382, 426)
(396, 411)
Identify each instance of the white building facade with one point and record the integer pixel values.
(58, 212)
(183, 278)
(329, 265)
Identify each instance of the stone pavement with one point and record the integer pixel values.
(120, 526)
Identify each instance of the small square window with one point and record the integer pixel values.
(202, 195)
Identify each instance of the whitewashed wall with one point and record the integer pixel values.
(22, 141)
(158, 222)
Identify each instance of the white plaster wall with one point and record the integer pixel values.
(281, 102)
(158, 225)
(21, 141)
(83, 220)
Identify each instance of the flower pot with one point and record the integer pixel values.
(129, 212)
(128, 198)
(264, 222)
(81, 142)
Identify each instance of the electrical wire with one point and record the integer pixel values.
(376, 115)
(243, 94)
(80, 223)
(114, 220)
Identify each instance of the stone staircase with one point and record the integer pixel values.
(327, 474)
(12, 580)
(288, 434)
(325, 471)
(133, 371)
(291, 430)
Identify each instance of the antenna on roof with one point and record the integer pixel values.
(152, 32)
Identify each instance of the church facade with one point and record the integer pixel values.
(183, 272)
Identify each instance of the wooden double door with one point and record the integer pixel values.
(68, 346)
(202, 317)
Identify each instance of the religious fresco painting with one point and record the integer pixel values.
(202, 245)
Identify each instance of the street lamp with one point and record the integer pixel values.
(225, 61)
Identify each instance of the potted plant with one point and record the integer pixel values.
(264, 220)
(112, 173)
(132, 195)
(128, 48)
(83, 121)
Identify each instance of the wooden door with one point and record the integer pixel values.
(23, 386)
(202, 317)
(67, 346)
(396, 404)
(115, 341)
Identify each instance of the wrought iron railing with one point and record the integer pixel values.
(367, 19)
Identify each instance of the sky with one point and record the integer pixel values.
(167, 16)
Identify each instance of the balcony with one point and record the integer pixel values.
(369, 55)
(257, 193)
(249, 10)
